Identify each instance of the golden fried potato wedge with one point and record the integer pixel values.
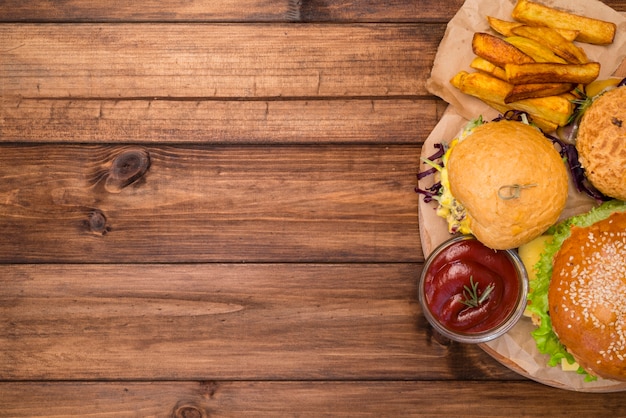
(554, 41)
(541, 72)
(543, 124)
(505, 28)
(567, 34)
(590, 30)
(534, 49)
(497, 50)
(488, 67)
(489, 89)
(596, 87)
(529, 91)
(555, 109)
(482, 86)
(457, 80)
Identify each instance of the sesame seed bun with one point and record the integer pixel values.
(511, 181)
(600, 143)
(587, 296)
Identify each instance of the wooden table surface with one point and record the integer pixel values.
(207, 208)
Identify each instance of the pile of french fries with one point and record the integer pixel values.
(532, 64)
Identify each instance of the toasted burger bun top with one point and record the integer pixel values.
(601, 143)
(511, 181)
(587, 296)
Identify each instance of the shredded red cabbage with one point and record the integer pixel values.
(433, 191)
(567, 150)
(434, 157)
(570, 154)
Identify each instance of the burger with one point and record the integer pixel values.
(577, 295)
(502, 181)
(601, 140)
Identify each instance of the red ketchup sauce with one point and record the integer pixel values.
(450, 272)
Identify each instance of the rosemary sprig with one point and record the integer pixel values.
(472, 299)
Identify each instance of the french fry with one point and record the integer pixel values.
(554, 41)
(497, 50)
(543, 124)
(591, 30)
(552, 72)
(534, 49)
(529, 91)
(482, 86)
(532, 63)
(555, 109)
(505, 28)
(596, 87)
(489, 89)
(481, 64)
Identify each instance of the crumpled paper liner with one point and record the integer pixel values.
(516, 349)
(455, 50)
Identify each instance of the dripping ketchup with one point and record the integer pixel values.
(457, 270)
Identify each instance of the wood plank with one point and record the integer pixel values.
(235, 11)
(394, 10)
(302, 399)
(208, 203)
(390, 121)
(377, 11)
(215, 61)
(224, 321)
(149, 10)
(225, 11)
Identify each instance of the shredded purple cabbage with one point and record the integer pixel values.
(438, 154)
(430, 193)
(433, 191)
(567, 151)
(514, 115)
(570, 154)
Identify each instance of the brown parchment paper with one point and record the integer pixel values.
(516, 349)
(455, 50)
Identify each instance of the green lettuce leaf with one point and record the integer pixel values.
(547, 341)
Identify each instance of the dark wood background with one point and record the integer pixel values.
(207, 209)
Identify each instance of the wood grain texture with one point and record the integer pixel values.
(149, 10)
(235, 11)
(209, 203)
(215, 61)
(392, 121)
(207, 208)
(224, 321)
(225, 11)
(303, 399)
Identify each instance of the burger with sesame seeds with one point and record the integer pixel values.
(577, 297)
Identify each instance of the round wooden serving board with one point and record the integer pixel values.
(516, 349)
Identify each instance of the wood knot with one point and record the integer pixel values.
(189, 411)
(126, 168)
(98, 223)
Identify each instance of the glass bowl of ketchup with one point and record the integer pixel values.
(471, 293)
